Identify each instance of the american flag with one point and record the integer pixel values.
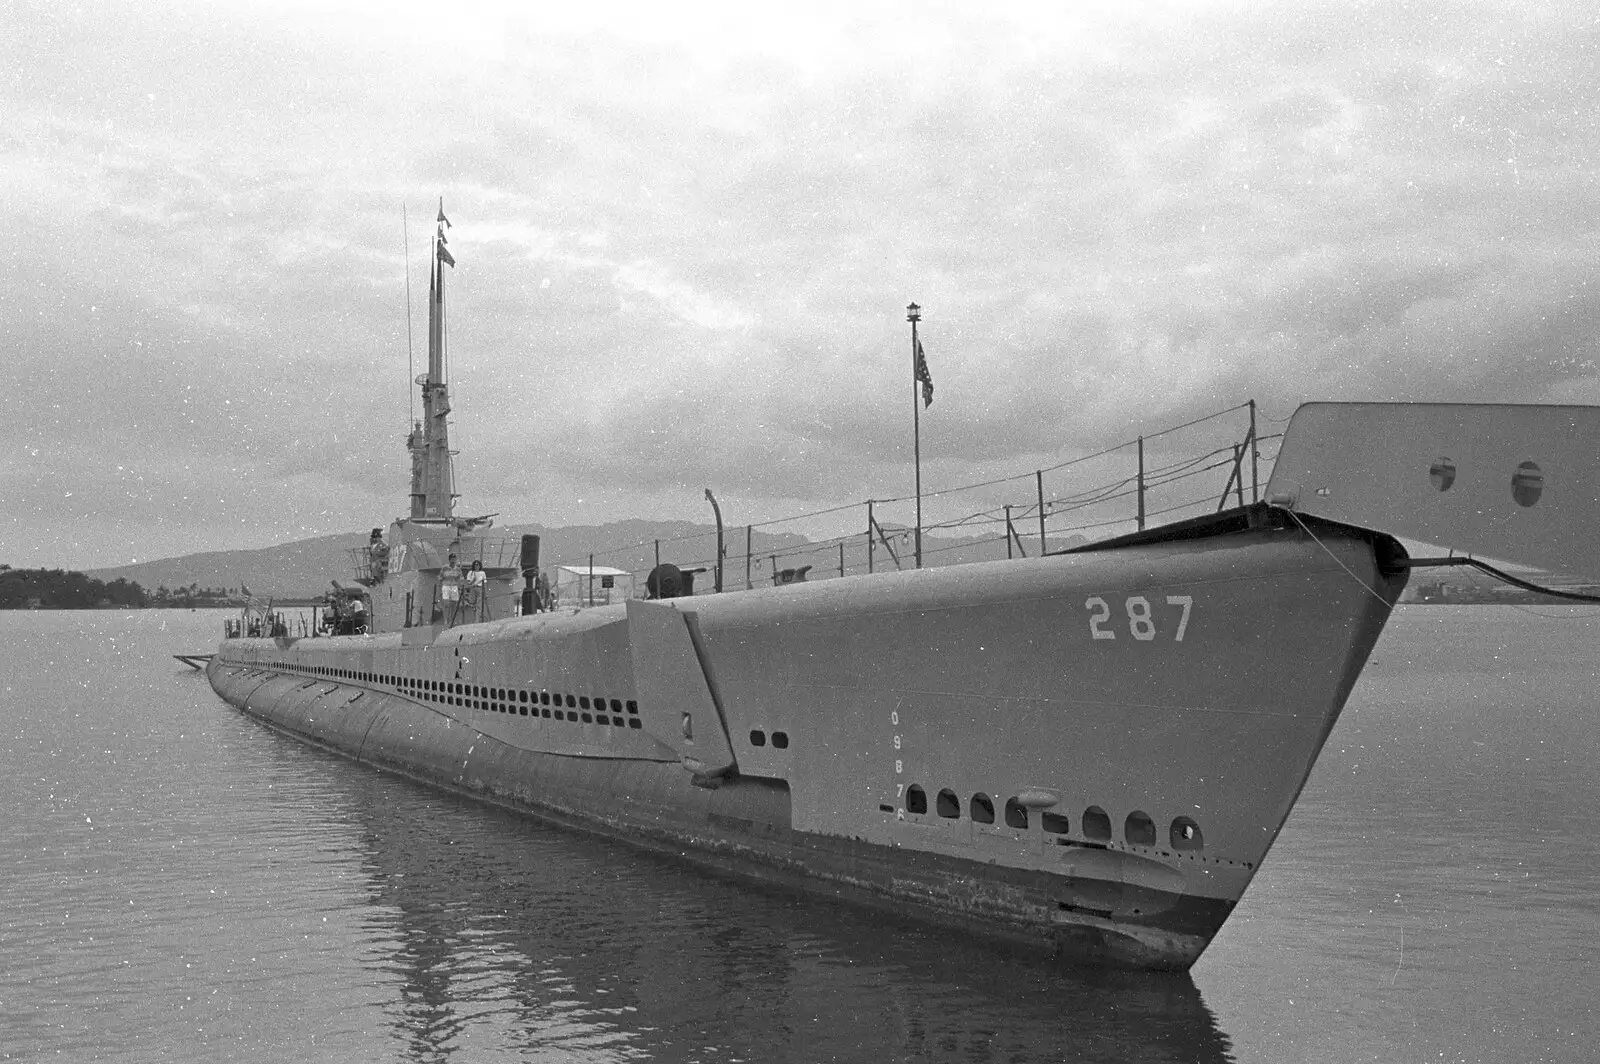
(925, 377)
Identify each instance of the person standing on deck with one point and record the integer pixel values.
(450, 590)
(476, 594)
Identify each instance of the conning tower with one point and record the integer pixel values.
(412, 584)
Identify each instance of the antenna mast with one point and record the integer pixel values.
(432, 491)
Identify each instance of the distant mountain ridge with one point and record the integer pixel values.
(303, 568)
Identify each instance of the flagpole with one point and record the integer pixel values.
(913, 315)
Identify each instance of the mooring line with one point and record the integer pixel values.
(1335, 557)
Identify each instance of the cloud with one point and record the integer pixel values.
(685, 243)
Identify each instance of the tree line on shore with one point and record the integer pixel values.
(59, 589)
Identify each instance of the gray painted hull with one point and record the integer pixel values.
(1090, 753)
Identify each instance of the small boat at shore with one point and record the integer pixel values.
(1089, 751)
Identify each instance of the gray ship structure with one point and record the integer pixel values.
(1090, 751)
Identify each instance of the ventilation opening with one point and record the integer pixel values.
(1139, 829)
(1016, 814)
(1186, 835)
(916, 799)
(1096, 824)
(981, 809)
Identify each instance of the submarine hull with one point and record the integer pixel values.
(1088, 753)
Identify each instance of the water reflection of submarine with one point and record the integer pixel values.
(583, 943)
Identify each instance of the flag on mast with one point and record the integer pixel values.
(450, 260)
(925, 377)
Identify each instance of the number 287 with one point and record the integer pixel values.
(1141, 619)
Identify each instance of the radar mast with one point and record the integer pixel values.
(432, 484)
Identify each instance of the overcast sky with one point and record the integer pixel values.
(686, 237)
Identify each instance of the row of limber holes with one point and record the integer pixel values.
(517, 702)
(497, 699)
(1137, 830)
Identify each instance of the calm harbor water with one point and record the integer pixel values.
(180, 884)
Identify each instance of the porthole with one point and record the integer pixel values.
(758, 738)
(1055, 823)
(780, 740)
(572, 703)
(1139, 829)
(949, 805)
(916, 799)
(1185, 835)
(1016, 814)
(583, 701)
(981, 809)
(633, 707)
(1096, 824)
(616, 705)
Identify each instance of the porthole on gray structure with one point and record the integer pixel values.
(949, 805)
(758, 738)
(916, 799)
(1054, 823)
(1139, 829)
(981, 809)
(780, 740)
(1527, 484)
(1096, 824)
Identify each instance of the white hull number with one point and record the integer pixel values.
(1141, 621)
